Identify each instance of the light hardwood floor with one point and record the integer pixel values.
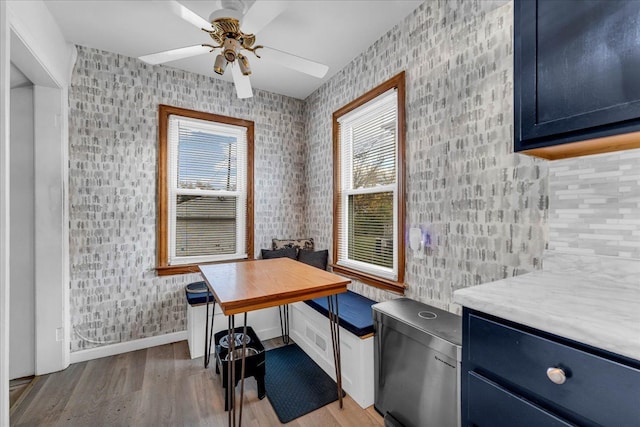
(159, 386)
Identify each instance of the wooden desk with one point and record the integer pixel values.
(250, 285)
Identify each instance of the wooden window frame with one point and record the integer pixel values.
(162, 242)
(397, 82)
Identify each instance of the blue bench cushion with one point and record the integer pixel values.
(354, 311)
(197, 293)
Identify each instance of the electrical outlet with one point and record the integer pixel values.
(416, 242)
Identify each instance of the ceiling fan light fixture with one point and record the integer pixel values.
(220, 64)
(245, 68)
(230, 49)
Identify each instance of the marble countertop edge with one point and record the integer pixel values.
(595, 309)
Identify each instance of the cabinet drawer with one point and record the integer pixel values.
(596, 389)
(493, 406)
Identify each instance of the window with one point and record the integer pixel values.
(205, 189)
(369, 187)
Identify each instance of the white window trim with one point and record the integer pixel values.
(240, 133)
(351, 119)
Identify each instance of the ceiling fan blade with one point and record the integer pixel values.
(241, 82)
(174, 54)
(295, 62)
(188, 15)
(260, 14)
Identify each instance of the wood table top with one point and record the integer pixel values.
(250, 285)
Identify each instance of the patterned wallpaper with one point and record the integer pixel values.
(115, 293)
(595, 205)
(484, 206)
(488, 210)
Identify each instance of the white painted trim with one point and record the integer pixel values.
(4, 214)
(51, 287)
(66, 268)
(125, 347)
(38, 48)
(48, 52)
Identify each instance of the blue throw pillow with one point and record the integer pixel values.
(279, 253)
(317, 259)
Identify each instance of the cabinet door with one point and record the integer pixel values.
(576, 70)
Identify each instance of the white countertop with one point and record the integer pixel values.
(593, 300)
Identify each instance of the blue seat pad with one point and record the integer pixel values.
(354, 312)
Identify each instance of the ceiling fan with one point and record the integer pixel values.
(233, 42)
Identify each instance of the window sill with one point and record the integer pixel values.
(378, 282)
(169, 270)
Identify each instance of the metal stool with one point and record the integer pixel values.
(254, 361)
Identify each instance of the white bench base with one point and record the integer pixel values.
(310, 330)
(265, 323)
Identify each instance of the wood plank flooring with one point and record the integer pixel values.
(159, 386)
(17, 387)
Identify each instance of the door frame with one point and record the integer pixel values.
(31, 39)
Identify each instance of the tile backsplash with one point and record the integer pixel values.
(594, 205)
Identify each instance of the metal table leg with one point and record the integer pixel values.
(284, 322)
(208, 333)
(231, 372)
(231, 415)
(332, 305)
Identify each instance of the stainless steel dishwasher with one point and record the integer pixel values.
(417, 356)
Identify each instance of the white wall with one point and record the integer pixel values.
(22, 313)
(4, 214)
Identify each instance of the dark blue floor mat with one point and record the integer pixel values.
(295, 384)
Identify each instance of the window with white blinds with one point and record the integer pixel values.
(367, 205)
(207, 191)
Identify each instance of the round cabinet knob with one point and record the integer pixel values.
(556, 375)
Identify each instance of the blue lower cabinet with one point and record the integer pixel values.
(513, 375)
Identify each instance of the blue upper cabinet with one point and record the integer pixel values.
(576, 76)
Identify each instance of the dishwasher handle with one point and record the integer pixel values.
(378, 332)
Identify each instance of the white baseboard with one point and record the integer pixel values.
(125, 347)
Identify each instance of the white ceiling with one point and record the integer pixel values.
(331, 32)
